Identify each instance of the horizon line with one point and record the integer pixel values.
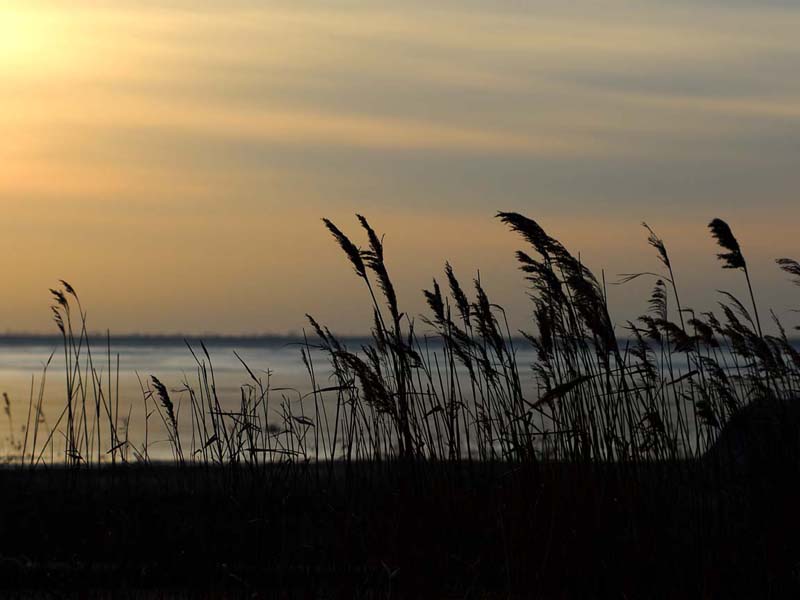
(10, 338)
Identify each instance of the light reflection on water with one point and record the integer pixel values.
(22, 362)
(277, 361)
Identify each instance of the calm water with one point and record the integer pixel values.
(22, 366)
(22, 363)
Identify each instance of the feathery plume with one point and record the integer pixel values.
(374, 260)
(792, 267)
(531, 231)
(657, 243)
(733, 259)
(458, 293)
(166, 402)
(349, 248)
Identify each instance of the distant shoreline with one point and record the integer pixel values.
(177, 339)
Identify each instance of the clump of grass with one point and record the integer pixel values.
(602, 431)
(91, 411)
(661, 388)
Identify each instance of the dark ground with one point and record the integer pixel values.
(671, 530)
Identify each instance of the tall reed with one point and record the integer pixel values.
(449, 385)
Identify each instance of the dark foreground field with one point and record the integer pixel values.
(673, 530)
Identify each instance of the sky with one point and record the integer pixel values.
(172, 159)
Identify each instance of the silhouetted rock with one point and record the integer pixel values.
(762, 440)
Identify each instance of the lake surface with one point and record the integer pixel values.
(131, 362)
(22, 362)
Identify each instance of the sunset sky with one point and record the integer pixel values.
(172, 159)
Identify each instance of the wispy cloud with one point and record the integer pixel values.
(192, 116)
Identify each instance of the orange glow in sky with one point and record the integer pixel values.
(171, 159)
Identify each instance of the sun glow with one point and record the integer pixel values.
(37, 43)
(251, 120)
(23, 38)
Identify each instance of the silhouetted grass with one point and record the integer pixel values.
(661, 460)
